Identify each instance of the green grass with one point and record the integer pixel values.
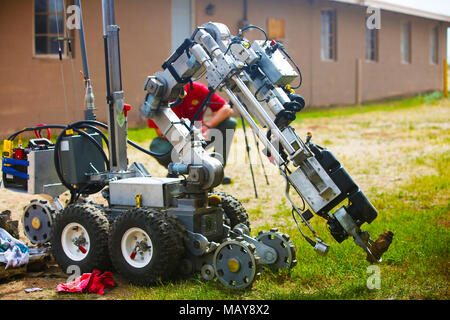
(387, 105)
(141, 134)
(415, 267)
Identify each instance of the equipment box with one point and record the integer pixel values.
(34, 172)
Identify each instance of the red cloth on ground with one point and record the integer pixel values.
(88, 283)
(194, 99)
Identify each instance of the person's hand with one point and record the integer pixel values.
(205, 131)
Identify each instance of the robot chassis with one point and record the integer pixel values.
(154, 228)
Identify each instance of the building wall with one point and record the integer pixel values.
(390, 77)
(31, 88)
(340, 81)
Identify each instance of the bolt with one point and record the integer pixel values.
(269, 256)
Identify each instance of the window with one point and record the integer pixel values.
(434, 45)
(405, 42)
(328, 35)
(48, 26)
(371, 44)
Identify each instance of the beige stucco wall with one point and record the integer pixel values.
(335, 82)
(31, 90)
(390, 77)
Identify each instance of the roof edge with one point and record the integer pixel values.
(398, 8)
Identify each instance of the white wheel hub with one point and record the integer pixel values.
(137, 247)
(75, 241)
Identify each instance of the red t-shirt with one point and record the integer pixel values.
(192, 102)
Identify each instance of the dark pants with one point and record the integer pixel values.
(221, 138)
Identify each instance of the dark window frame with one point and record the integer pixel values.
(328, 37)
(58, 14)
(434, 46)
(372, 40)
(406, 53)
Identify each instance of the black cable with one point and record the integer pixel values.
(89, 124)
(233, 41)
(131, 143)
(14, 135)
(176, 103)
(90, 188)
(254, 27)
(258, 91)
(309, 240)
(149, 152)
(201, 110)
(249, 158)
(239, 38)
(296, 66)
(100, 132)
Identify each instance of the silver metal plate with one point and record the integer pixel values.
(155, 192)
(315, 199)
(43, 178)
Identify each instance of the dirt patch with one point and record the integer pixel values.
(445, 222)
(383, 135)
(14, 288)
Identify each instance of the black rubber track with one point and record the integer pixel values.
(234, 210)
(166, 237)
(97, 227)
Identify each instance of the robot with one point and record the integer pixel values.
(154, 228)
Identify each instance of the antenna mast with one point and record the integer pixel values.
(116, 114)
(89, 94)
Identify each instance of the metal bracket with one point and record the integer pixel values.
(351, 228)
(267, 254)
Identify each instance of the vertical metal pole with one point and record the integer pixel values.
(89, 95)
(116, 115)
(445, 78)
(358, 80)
(249, 158)
(83, 43)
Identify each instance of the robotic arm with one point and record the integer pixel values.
(256, 78)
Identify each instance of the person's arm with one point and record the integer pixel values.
(219, 116)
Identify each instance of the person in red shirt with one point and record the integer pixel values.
(221, 121)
